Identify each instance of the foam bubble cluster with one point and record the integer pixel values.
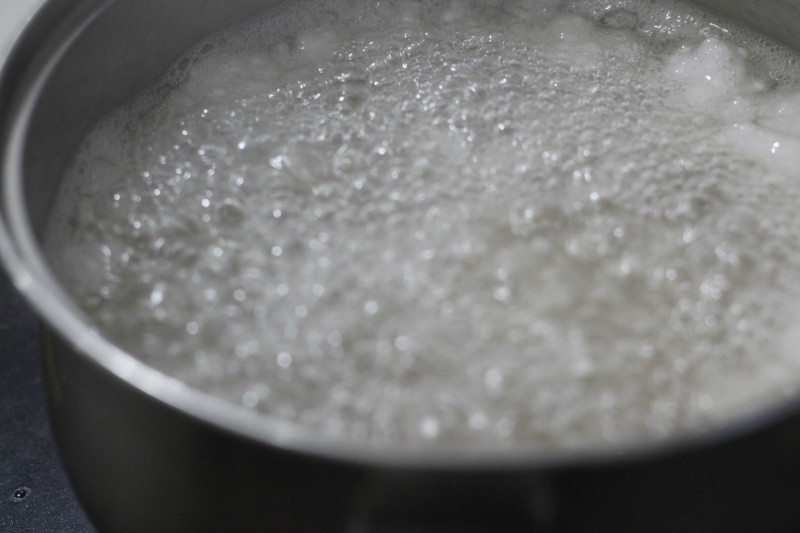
(491, 224)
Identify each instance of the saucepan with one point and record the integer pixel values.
(147, 453)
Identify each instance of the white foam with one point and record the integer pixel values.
(711, 71)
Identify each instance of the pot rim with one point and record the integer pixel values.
(24, 262)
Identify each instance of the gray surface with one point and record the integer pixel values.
(35, 495)
(28, 457)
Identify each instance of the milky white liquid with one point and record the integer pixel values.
(499, 224)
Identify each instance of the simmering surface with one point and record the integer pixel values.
(497, 224)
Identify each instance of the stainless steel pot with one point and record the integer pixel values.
(146, 453)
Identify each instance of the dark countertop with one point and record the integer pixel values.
(35, 495)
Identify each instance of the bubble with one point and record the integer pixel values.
(484, 224)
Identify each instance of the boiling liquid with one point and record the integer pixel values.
(491, 224)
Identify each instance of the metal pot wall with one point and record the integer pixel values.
(146, 453)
